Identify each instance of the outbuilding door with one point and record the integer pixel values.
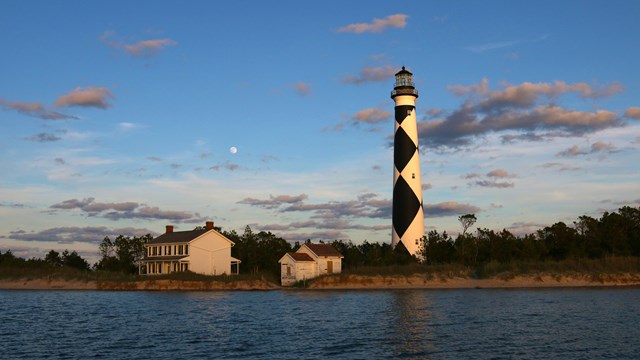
(330, 267)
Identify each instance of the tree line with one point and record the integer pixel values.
(613, 234)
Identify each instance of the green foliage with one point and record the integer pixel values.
(122, 254)
(259, 252)
(615, 234)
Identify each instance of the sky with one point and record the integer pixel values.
(121, 117)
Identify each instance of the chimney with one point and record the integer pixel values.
(169, 229)
(209, 225)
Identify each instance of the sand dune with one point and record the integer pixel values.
(416, 281)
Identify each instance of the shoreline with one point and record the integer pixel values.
(339, 282)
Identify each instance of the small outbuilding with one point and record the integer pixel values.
(310, 261)
(203, 251)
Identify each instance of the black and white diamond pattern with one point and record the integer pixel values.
(407, 192)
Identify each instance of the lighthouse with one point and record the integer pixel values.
(408, 215)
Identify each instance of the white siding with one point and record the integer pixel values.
(210, 254)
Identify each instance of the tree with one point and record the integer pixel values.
(73, 260)
(53, 258)
(122, 254)
(467, 221)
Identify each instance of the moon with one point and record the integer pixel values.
(233, 149)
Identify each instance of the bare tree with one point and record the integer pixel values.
(467, 221)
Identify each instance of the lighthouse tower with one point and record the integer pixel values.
(408, 215)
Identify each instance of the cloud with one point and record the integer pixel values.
(34, 109)
(12, 205)
(126, 210)
(125, 126)
(490, 46)
(274, 201)
(328, 224)
(145, 48)
(597, 147)
(365, 205)
(302, 89)
(371, 116)
(491, 183)
(327, 235)
(86, 97)
(560, 166)
(226, 165)
(43, 137)
(528, 109)
(633, 113)
(148, 48)
(154, 158)
(71, 234)
(377, 25)
(499, 173)
(371, 74)
(524, 228)
(449, 208)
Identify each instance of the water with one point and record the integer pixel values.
(423, 324)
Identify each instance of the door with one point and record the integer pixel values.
(329, 267)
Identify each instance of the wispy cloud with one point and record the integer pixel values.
(365, 205)
(35, 109)
(225, 166)
(371, 74)
(91, 96)
(43, 137)
(126, 210)
(71, 234)
(371, 116)
(490, 179)
(529, 109)
(377, 25)
(449, 208)
(302, 88)
(597, 147)
(633, 113)
(491, 46)
(145, 48)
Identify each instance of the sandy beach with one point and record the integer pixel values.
(337, 282)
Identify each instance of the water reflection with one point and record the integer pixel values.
(412, 328)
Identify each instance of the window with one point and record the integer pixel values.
(413, 175)
(179, 249)
(186, 249)
(169, 250)
(416, 241)
(154, 251)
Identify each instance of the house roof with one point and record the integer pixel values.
(300, 256)
(178, 236)
(323, 250)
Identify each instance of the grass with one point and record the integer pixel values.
(608, 265)
(593, 268)
(69, 274)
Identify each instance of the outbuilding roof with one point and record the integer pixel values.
(300, 256)
(323, 250)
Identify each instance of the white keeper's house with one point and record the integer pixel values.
(311, 260)
(203, 251)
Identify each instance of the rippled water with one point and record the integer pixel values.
(437, 324)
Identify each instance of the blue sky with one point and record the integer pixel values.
(118, 116)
